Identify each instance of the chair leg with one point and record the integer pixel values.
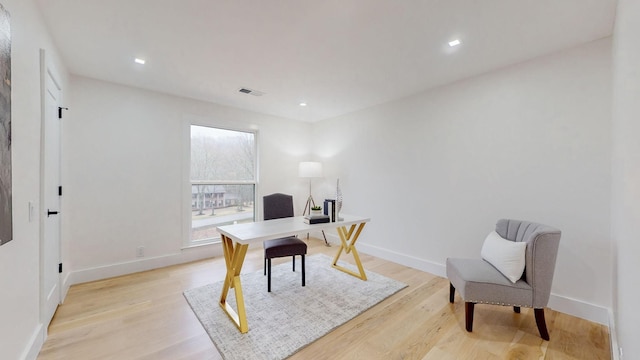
(542, 324)
(269, 275)
(516, 309)
(452, 292)
(294, 263)
(265, 266)
(468, 315)
(302, 269)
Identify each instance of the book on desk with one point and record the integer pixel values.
(330, 209)
(316, 219)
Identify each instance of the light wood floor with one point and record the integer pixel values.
(145, 316)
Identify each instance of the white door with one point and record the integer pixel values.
(50, 247)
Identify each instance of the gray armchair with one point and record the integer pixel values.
(478, 281)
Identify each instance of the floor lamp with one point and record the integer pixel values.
(310, 170)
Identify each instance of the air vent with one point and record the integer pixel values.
(251, 91)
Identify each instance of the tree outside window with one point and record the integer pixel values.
(223, 179)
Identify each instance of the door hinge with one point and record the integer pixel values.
(60, 108)
(59, 190)
(60, 268)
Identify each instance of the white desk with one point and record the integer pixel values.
(237, 238)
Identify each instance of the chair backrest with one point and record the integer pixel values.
(540, 256)
(276, 206)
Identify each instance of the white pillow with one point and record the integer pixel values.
(505, 255)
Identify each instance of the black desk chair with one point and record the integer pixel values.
(276, 206)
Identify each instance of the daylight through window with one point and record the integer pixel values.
(223, 180)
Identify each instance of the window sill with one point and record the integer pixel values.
(201, 243)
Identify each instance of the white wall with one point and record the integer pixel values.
(626, 175)
(21, 333)
(123, 173)
(436, 170)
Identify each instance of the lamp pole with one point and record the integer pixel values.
(310, 201)
(311, 169)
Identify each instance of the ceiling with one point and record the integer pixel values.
(338, 56)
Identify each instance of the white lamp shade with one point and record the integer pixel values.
(310, 169)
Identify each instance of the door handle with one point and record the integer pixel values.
(49, 213)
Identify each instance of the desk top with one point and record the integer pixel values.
(273, 229)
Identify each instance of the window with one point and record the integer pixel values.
(223, 180)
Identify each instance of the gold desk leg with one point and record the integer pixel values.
(348, 244)
(234, 258)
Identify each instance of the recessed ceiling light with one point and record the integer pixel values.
(455, 42)
(139, 61)
(303, 104)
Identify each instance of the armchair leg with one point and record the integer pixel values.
(516, 309)
(302, 269)
(468, 315)
(452, 292)
(269, 275)
(542, 324)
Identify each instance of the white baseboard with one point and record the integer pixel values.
(578, 308)
(35, 343)
(403, 259)
(66, 284)
(144, 264)
(560, 303)
(613, 337)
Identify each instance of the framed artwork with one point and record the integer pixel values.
(6, 222)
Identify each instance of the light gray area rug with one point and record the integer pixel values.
(291, 316)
